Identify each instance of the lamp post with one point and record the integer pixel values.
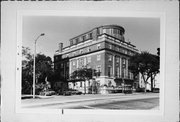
(34, 64)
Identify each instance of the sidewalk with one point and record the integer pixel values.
(53, 100)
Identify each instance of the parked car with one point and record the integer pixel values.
(66, 93)
(47, 93)
(156, 90)
(76, 92)
(140, 90)
(72, 92)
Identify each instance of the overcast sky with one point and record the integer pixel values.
(144, 33)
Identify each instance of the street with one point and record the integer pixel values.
(89, 101)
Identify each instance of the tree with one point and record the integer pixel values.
(146, 64)
(43, 69)
(83, 74)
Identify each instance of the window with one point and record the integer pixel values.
(117, 72)
(81, 62)
(74, 63)
(74, 53)
(81, 51)
(118, 31)
(84, 37)
(98, 57)
(98, 46)
(109, 70)
(90, 35)
(89, 49)
(84, 61)
(125, 51)
(109, 46)
(77, 40)
(67, 55)
(71, 42)
(89, 59)
(98, 69)
(117, 48)
(117, 60)
(98, 32)
(114, 31)
(109, 57)
(124, 61)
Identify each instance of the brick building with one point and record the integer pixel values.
(104, 49)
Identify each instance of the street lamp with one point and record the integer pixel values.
(34, 65)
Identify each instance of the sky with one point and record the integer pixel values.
(144, 33)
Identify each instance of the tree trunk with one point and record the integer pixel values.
(144, 82)
(145, 87)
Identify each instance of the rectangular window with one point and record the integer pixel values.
(84, 37)
(98, 32)
(81, 51)
(67, 55)
(89, 49)
(98, 57)
(75, 41)
(98, 69)
(114, 31)
(117, 72)
(125, 51)
(109, 71)
(98, 46)
(124, 61)
(117, 48)
(90, 35)
(109, 57)
(109, 46)
(71, 42)
(74, 63)
(117, 60)
(89, 59)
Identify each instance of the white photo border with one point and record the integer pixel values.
(164, 12)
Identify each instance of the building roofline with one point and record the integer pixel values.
(103, 26)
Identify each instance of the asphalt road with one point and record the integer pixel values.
(141, 104)
(112, 101)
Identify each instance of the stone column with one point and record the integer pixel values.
(120, 66)
(127, 68)
(70, 67)
(113, 67)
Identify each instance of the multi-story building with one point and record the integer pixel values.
(104, 49)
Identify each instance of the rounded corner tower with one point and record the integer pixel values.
(113, 30)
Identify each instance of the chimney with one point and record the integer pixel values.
(60, 47)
